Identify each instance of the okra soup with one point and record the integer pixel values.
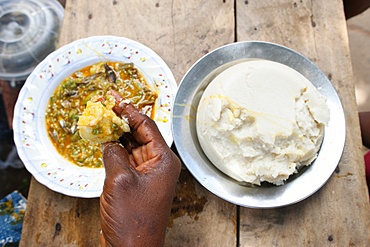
(92, 83)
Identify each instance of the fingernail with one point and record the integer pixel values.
(124, 103)
(105, 145)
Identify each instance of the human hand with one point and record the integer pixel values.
(139, 185)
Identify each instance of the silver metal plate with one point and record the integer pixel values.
(297, 187)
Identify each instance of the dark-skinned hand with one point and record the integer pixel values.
(141, 175)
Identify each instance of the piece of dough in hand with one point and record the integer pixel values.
(98, 122)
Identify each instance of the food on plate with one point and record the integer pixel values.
(261, 121)
(89, 87)
(98, 122)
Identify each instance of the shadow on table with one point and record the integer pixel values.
(13, 175)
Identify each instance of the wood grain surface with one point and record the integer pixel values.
(181, 32)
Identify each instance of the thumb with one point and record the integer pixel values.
(116, 160)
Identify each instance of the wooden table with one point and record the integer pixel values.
(181, 32)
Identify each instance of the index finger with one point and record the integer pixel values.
(143, 128)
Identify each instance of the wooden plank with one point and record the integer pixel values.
(339, 213)
(199, 218)
(180, 32)
(53, 219)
